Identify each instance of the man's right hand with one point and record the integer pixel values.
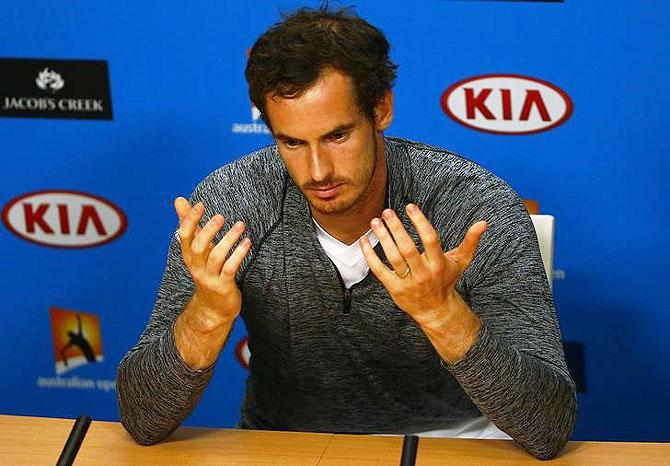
(202, 328)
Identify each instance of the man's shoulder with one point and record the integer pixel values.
(454, 191)
(433, 168)
(256, 175)
(258, 166)
(250, 187)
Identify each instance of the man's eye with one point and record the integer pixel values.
(291, 144)
(339, 137)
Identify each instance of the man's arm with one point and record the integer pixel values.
(504, 346)
(161, 379)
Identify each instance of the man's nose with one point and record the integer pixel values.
(320, 165)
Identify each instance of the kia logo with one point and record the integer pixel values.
(64, 219)
(506, 104)
(242, 352)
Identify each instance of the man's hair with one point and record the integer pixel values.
(291, 56)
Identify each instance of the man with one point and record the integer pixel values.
(452, 326)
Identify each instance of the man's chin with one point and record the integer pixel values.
(329, 207)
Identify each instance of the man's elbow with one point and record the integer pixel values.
(143, 436)
(133, 414)
(556, 432)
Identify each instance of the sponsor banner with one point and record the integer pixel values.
(64, 219)
(532, 205)
(514, 1)
(76, 383)
(255, 126)
(77, 341)
(53, 88)
(242, 352)
(506, 104)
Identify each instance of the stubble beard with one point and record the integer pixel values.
(346, 206)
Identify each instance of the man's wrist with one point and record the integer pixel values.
(201, 317)
(454, 330)
(199, 334)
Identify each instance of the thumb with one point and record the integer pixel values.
(468, 247)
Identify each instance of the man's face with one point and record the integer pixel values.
(328, 145)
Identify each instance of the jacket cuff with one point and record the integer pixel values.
(485, 352)
(172, 361)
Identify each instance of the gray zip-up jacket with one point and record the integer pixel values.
(330, 359)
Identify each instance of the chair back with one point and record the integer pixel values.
(544, 228)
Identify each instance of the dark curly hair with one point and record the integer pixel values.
(290, 56)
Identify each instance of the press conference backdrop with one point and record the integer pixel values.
(109, 111)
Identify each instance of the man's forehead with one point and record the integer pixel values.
(320, 109)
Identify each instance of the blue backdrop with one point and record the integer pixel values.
(180, 110)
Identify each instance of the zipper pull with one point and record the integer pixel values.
(347, 300)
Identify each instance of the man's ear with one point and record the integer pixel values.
(384, 111)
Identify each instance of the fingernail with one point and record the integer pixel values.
(246, 242)
(375, 222)
(411, 208)
(388, 213)
(239, 225)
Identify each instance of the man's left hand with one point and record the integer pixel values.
(423, 284)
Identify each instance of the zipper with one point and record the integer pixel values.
(346, 292)
(347, 300)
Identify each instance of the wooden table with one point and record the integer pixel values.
(34, 440)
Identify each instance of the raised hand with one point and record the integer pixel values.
(213, 274)
(421, 284)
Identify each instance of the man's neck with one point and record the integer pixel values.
(348, 226)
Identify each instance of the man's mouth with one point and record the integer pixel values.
(326, 192)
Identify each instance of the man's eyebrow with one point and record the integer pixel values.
(339, 129)
(284, 137)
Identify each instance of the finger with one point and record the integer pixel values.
(187, 229)
(388, 245)
(182, 207)
(218, 254)
(404, 242)
(377, 267)
(202, 241)
(233, 263)
(468, 247)
(427, 233)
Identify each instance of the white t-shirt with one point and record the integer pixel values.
(348, 258)
(350, 262)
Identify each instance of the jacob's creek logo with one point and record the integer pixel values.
(49, 80)
(506, 104)
(65, 219)
(55, 88)
(77, 341)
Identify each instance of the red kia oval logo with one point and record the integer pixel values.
(64, 219)
(242, 352)
(506, 104)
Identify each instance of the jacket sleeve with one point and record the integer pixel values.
(516, 372)
(156, 389)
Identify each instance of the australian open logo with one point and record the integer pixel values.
(255, 126)
(77, 342)
(49, 80)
